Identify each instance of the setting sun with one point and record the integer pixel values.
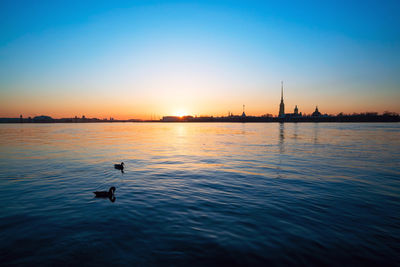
(180, 113)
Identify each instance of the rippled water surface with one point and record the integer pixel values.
(200, 194)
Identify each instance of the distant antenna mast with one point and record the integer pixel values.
(243, 108)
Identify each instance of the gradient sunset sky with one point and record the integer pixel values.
(144, 59)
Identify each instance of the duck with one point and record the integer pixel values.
(119, 166)
(109, 194)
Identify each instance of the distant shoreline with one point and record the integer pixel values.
(337, 119)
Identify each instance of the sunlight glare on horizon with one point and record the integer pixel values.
(180, 113)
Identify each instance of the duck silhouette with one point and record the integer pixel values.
(119, 166)
(109, 194)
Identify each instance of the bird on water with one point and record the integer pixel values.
(119, 166)
(109, 194)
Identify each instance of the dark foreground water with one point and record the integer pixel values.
(200, 194)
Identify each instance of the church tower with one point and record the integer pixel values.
(282, 105)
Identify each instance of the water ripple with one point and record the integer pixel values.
(200, 194)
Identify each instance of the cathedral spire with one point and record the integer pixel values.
(281, 105)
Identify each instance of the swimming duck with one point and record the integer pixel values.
(109, 194)
(119, 166)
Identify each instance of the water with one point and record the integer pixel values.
(200, 194)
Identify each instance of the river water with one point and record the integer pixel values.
(200, 194)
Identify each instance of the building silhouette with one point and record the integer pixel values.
(282, 113)
(316, 113)
(282, 105)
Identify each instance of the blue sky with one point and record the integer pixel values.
(139, 59)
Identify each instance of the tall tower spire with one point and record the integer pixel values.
(281, 105)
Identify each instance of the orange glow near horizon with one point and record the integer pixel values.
(156, 109)
(174, 97)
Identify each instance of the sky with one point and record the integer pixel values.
(147, 59)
